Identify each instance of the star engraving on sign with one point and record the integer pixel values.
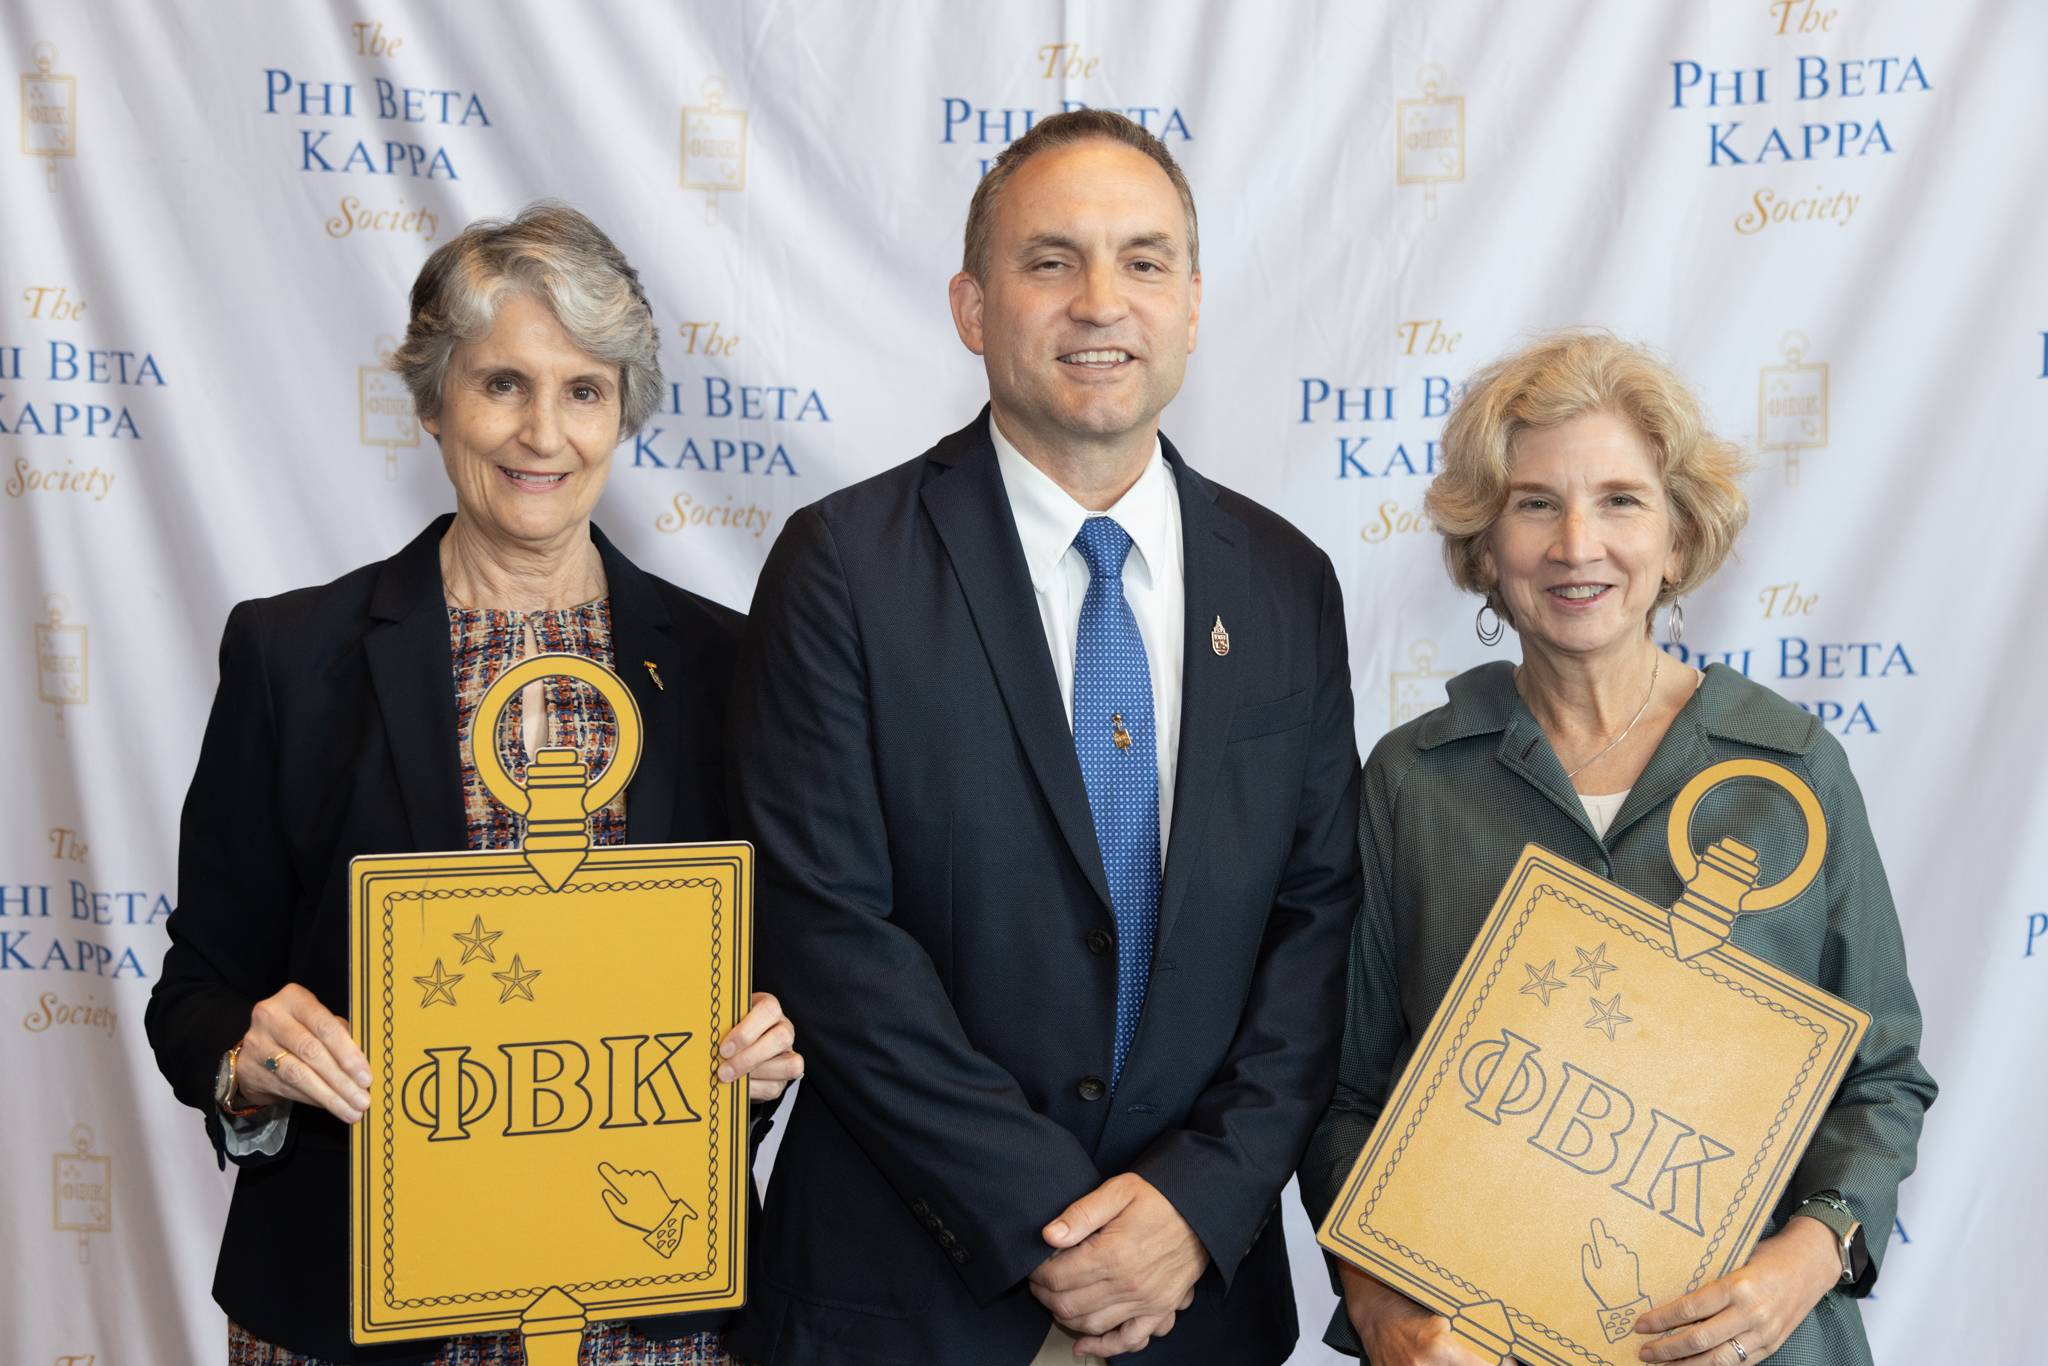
(477, 943)
(440, 987)
(1591, 965)
(1542, 981)
(1607, 1016)
(518, 979)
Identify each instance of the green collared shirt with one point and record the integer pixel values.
(1449, 800)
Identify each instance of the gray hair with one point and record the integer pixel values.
(557, 255)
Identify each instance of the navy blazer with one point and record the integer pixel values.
(933, 901)
(332, 735)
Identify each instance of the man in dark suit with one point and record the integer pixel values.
(1057, 1081)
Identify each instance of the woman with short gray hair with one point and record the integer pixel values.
(556, 256)
(341, 727)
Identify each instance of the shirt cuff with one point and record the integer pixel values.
(258, 1135)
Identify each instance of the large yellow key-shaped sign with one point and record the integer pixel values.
(547, 1142)
(1606, 1106)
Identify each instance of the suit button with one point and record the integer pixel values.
(1092, 1088)
(1100, 942)
(958, 1254)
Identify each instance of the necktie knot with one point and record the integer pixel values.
(1105, 546)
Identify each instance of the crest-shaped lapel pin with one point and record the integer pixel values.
(1219, 639)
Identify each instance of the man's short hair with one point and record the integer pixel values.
(1064, 130)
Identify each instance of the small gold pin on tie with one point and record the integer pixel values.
(1219, 639)
(1118, 736)
(655, 674)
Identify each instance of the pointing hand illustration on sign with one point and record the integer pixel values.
(639, 1200)
(1615, 1277)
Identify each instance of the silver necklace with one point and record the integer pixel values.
(1655, 665)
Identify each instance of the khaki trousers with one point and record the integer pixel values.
(1058, 1350)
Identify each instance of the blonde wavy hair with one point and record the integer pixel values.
(1553, 380)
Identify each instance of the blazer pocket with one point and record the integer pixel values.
(1269, 718)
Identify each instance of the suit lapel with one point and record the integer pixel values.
(644, 644)
(971, 511)
(1218, 585)
(413, 675)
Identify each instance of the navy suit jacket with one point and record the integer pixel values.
(932, 905)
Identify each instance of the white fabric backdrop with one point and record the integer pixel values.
(1827, 214)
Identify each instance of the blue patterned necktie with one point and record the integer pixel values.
(1115, 741)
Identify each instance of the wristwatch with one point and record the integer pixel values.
(224, 1086)
(1829, 1208)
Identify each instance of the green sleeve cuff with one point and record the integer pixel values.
(1830, 1209)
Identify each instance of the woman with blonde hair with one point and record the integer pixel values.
(1582, 495)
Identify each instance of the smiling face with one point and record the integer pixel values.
(527, 425)
(1587, 538)
(1087, 312)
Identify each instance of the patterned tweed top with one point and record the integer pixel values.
(484, 643)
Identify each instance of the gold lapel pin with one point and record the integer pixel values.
(1118, 736)
(1219, 639)
(655, 674)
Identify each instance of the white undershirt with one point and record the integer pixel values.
(1154, 583)
(1601, 811)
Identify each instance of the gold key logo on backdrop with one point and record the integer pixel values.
(1429, 138)
(1792, 405)
(714, 148)
(1561, 1152)
(49, 112)
(1419, 688)
(82, 1191)
(547, 1142)
(63, 661)
(384, 409)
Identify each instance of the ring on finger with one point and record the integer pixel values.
(274, 1059)
(1741, 1352)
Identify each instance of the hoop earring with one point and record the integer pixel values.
(1488, 635)
(1677, 622)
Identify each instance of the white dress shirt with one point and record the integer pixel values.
(1155, 584)
(1601, 811)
